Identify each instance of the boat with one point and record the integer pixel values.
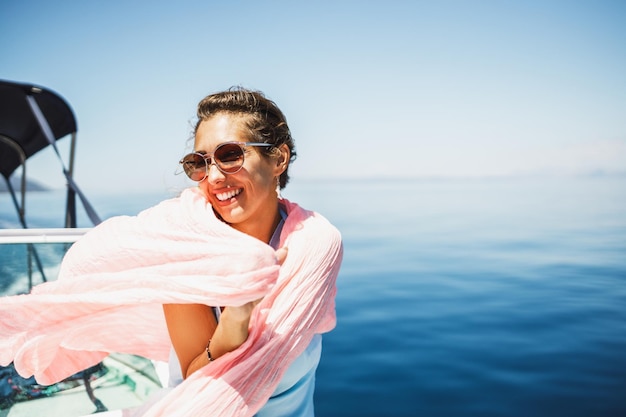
(33, 119)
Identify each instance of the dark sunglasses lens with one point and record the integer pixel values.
(229, 157)
(194, 166)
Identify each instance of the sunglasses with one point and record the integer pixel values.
(228, 157)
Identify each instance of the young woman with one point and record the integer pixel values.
(241, 158)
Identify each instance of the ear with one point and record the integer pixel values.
(282, 159)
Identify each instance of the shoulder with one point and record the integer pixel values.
(310, 226)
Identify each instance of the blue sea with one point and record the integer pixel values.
(476, 297)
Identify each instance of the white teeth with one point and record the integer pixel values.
(227, 194)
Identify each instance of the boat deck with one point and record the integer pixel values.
(129, 380)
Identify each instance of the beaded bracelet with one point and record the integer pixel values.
(208, 352)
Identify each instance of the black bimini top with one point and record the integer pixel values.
(19, 123)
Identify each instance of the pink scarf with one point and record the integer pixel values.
(114, 280)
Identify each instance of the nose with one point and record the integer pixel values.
(214, 175)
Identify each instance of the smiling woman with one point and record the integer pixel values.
(240, 177)
(241, 157)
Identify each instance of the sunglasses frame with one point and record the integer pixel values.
(209, 159)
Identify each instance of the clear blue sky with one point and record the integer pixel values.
(372, 89)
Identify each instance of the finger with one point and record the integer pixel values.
(281, 254)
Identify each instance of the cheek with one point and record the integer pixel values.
(266, 181)
(204, 187)
(262, 176)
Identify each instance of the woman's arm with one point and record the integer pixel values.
(191, 326)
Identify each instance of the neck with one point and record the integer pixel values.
(263, 227)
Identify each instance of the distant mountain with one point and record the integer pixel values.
(16, 183)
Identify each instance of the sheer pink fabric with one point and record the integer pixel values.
(114, 280)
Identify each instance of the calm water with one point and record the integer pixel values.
(464, 298)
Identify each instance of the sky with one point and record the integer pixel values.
(371, 89)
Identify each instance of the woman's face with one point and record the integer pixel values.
(247, 200)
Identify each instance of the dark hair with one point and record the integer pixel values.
(262, 118)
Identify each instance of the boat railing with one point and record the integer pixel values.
(26, 254)
(41, 235)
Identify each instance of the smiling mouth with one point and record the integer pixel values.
(227, 195)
